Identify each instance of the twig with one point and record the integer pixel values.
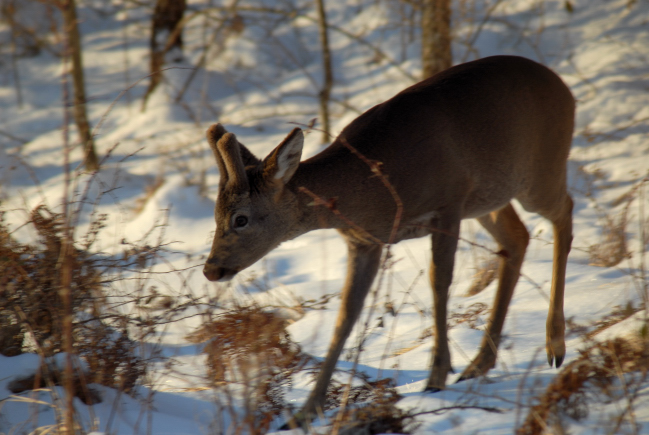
(375, 167)
(299, 14)
(14, 138)
(456, 407)
(64, 260)
(328, 79)
(331, 205)
(475, 35)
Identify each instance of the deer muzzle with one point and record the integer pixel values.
(215, 273)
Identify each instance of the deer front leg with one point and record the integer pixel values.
(362, 265)
(444, 238)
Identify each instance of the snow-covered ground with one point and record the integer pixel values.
(259, 83)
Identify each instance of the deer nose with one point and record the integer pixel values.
(214, 273)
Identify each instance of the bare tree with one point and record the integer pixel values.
(166, 35)
(69, 11)
(327, 84)
(435, 36)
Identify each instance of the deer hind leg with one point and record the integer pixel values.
(444, 238)
(561, 219)
(512, 238)
(362, 265)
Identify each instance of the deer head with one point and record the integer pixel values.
(254, 210)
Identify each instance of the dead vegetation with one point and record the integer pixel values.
(472, 315)
(49, 376)
(251, 355)
(252, 360)
(617, 315)
(30, 283)
(612, 249)
(596, 376)
(371, 408)
(31, 310)
(486, 272)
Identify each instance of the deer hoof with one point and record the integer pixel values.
(556, 351)
(432, 390)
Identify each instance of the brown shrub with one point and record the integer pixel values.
(250, 348)
(373, 409)
(31, 306)
(596, 369)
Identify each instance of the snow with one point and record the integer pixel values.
(261, 83)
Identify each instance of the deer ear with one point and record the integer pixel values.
(281, 164)
(214, 134)
(228, 156)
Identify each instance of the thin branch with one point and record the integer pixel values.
(375, 167)
(331, 205)
(456, 407)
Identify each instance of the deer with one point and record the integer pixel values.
(461, 144)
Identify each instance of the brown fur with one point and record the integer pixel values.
(459, 145)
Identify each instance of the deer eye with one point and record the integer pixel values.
(240, 221)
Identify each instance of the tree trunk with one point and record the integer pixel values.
(69, 10)
(164, 37)
(328, 79)
(435, 36)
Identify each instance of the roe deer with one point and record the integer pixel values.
(461, 144)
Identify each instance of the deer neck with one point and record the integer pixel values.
(315, 195)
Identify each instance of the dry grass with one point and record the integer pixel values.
(31, 311)
(377, 411)
(252, 360)
(149, 191)
(472, 316)
(49, 375)
(251, 355)
(484, 275)
(593, 374)
(612, 249)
